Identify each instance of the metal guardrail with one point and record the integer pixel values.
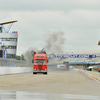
(12, 63)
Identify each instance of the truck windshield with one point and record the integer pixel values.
(40, 60)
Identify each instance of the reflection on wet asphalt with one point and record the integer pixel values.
(16, 95)
(7, 95)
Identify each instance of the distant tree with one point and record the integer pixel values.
(17, 57)
(22, 57)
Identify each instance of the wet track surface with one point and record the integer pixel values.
(17, 95)
(57, 85)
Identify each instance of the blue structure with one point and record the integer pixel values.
(10, 24)
(74, 63)
(4, 54)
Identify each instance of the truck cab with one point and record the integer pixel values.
(40, 63)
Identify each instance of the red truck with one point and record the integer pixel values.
(39, 63)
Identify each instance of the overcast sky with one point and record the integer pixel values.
(78, 19)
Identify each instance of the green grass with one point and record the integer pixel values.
(94, 70)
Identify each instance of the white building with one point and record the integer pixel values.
(8, 40)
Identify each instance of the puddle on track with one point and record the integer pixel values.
(17, 95)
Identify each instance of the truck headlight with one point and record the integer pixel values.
(34, 69)
(45, 69)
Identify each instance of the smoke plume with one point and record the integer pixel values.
(28, 56)
(54, 43)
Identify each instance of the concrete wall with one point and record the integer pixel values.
(14, 70)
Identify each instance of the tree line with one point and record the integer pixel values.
(20, 57)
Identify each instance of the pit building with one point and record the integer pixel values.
(8, 40)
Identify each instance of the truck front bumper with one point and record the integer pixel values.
(39, 71)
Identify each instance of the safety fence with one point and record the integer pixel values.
(12, 63)
(91, 74)
(13, 66)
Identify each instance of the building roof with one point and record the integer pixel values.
(8, 22)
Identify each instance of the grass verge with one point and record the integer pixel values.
(94, 70)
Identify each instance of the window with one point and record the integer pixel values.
(9, 39)
(11, 47)
(0, 29)
(15, 39)
(40, 56)
(3, 39)
(8, 47)
(40, 60)
(11, 55)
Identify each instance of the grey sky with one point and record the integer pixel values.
(35, 5)
(78, 19)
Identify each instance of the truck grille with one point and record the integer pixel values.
(40, 67)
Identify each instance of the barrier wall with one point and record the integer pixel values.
(14, 70)
(94, 75)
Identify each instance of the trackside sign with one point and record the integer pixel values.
(73, 56)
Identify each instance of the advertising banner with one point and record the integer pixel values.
(72, 56)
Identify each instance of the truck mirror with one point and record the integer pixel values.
(44, 52)
(34, 52)
(32, 61)
(47, 61)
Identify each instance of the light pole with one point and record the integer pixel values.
(98, 42)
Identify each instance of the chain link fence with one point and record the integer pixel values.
(12, 63)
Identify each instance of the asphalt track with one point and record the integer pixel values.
(72, 83)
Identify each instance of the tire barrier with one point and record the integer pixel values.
(93, 75)
(14, 70)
